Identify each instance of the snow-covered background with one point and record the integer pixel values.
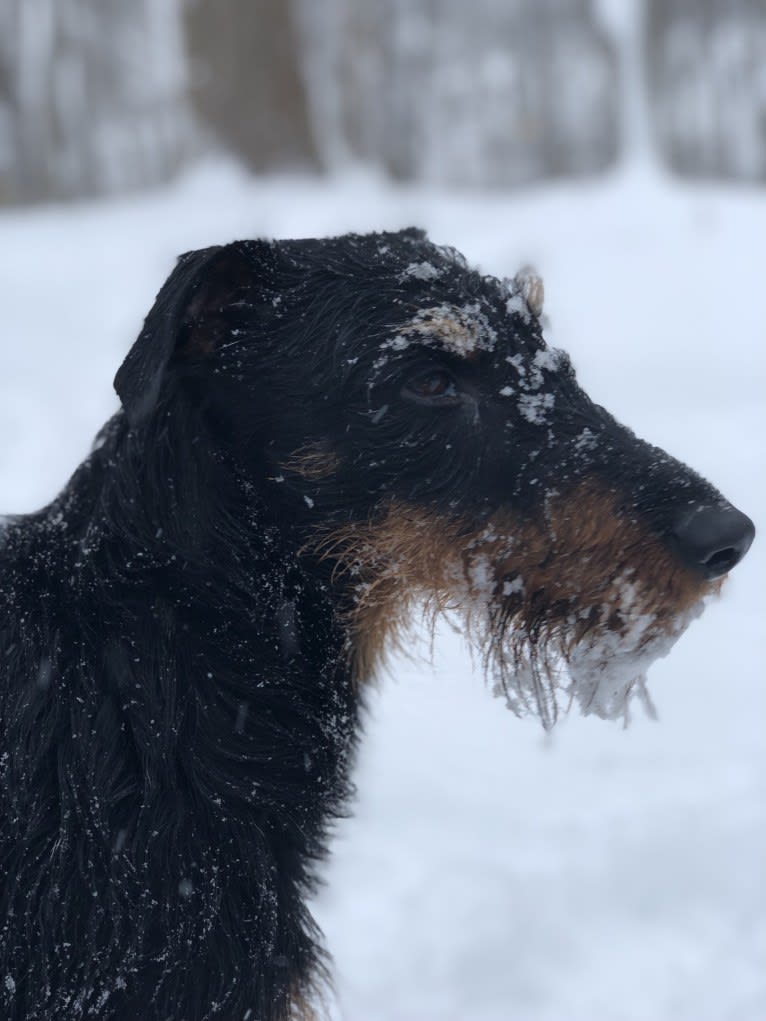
(490, 873)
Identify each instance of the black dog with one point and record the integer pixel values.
(316, 436)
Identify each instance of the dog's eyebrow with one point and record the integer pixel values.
(460, 330)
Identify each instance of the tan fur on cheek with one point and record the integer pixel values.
(389, 565)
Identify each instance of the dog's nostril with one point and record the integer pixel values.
(722, 560)
(713, 539)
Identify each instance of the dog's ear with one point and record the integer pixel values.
(184, 321)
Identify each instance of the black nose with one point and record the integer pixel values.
(712, 540)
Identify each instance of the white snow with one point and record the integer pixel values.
(509, 587)
(491, 873)
(517, 306)
(607, 673)
(548, 358)
(587, 440)
(421, 271)
(535, 407)
(460, 330)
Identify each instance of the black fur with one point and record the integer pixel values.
(177, 709)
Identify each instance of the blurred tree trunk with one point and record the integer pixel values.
(492, 92)
(8, 118)
(246, 80)
(92, 97)
(706, 62)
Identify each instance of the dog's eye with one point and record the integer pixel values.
(433, 387)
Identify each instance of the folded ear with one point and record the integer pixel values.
(182, 320)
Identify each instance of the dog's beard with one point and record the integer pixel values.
(596, 658)
(573, 610)
(608, 669)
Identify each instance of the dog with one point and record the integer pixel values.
(317, 440)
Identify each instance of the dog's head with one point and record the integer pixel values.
(403, 414)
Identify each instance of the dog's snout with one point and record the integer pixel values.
(713, 540)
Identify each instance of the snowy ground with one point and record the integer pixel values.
(490, 874)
